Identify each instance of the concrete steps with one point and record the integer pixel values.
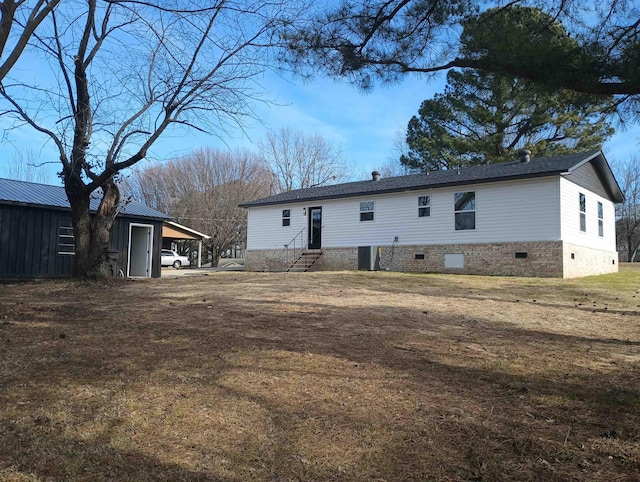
(304, 262)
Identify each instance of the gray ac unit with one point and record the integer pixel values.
(368, 258)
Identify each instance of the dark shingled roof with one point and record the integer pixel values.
(29, 193)
(540, 167)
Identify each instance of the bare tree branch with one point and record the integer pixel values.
(203, 190)
(129, 71)
(299, 161)
(387, 39)
(9, 10)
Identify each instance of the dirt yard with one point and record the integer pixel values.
(321, 376)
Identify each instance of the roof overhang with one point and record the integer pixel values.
(603, 169)
(545, 167)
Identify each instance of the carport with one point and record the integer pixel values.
(172, 232)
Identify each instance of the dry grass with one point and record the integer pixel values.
(321, 376)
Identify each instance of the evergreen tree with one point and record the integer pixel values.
(486, 118)
(383, 40)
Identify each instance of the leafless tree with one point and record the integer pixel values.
(24, 166)
(18, 23)
(299, 161)
(393, 167)
(202, 191)
(390, 169)
(628, 212)
(126, 72)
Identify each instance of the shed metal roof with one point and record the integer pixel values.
(537, 167)
(46, 195)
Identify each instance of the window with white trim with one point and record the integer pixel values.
(366, 210)
(600, 220)
(424, 206)
(465, 210)
(66, 241)
(286, 217)
(583, 213)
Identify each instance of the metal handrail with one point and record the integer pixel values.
(301, 242)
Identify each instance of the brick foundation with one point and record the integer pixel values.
(495, 259)
(539, 259)
(267, 260)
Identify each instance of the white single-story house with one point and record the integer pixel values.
(552, 217)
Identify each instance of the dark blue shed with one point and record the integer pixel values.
(36, 236)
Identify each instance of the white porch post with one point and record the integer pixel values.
(199, 253)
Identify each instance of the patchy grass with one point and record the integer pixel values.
(321, 376)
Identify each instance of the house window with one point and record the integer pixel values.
(583, 213)
(286, 217)
(366, 211)
(600, 220)
(424, 206)
(465, 210)
(66, 241)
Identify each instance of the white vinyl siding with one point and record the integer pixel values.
(265, 230)
(570, 217)
(524, 210)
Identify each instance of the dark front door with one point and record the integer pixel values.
(315, 228)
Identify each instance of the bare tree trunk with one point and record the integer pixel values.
(215, 257)
(93, 232)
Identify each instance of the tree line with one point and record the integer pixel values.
(203, 189)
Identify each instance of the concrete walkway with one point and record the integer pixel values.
(225, 264)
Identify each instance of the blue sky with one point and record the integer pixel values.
(364, 125)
